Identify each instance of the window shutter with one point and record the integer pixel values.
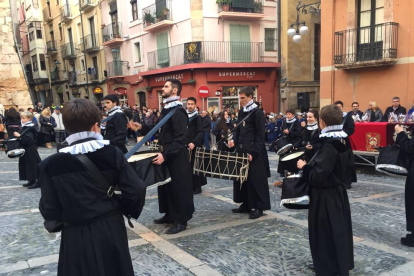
(240, 43)
(162, 50)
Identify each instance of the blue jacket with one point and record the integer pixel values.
(271, 131)
(279, 124)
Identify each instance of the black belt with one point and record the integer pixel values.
(110, 214)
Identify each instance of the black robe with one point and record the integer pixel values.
(330, 225)
(349, 129)
(295, 138)
(94, 240)
(176, 198)
(249, 139)
(195, 134)
(116, 131)
(221, 132)
(407, 146)
(30, 160)
(311, 136)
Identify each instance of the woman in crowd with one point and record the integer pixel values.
(2, 128)
(47, 124)
(222, 129)
(374, 112)
(310, 134)
(30, 160)
(12, 121)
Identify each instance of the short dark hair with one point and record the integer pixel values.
(176, 84)
(354, 103)
(192, 99)
(291, 111)
(339, 102)
(246, 90)
(112, 97)
(80, 115)
(315, 113)
(331, 115)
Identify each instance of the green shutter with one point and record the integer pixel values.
(270, 39)
(241, 50)
(162, 50)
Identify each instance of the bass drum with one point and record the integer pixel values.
(393, 161)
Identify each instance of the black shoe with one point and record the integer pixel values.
(311, 266)
(240, 210)
(407, 242)
(28, 184)
(256, 214)
(34, 186)
(164, 220)
(197, 191)
(177, 228)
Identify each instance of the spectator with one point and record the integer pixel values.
(374, 112)
(60, 134)
(39, 108)
(222, 129)
(206, 124)
(233, 119)
(2, 128)
(355, 110)
(271, 131)
(12, 120)
(396, 108)
(2, 109)
(47, 123)
(410, 116)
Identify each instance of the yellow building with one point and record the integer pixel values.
(76, 60)
(300, 69)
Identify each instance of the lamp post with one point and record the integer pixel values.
(301, 28)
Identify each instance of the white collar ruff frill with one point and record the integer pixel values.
(312, 126)
(250, 106)
(344, 114)
(113, 110)
(333, 132)
(28, 124)
(88, 146)
(172, 102)
(192, 114)
(291, 120)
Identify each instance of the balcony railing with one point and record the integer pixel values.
(206, 52)
(72, 78)
(68, 51)
(51, 47)
(87, 4)
(157, 12)
(246, 6)
(89, 43)
(111, 32)
(46, 15)
(58, 75)
(372, 45)
(65, 12)
(117, 68)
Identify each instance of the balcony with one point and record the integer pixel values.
(206, 52)
(157, 16)
(51, 48)
(65, 13)
(68, 51)
(117, 69)
(72, 78)
(88, 44)
(58, 76)
(112, 34)
(367, 46)
(47, 17)
(245, 10)
(87, 5)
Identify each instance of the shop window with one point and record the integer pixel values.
(34, 63)
(42, 62)
(213, 105)
(134, 6)
(230, 97)
(270, 39)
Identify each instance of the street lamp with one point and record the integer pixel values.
(301, 28)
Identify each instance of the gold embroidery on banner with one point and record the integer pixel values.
(372, 141)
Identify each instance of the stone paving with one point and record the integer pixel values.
(216, 242)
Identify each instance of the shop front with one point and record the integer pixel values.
(97, 93)
(122, 94)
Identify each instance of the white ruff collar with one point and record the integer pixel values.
(333, 132)
(173, 104)
(312, 126)
(291, 120)
(113, 110)
(28, 124)
(250, 106)
(344, 114)
(85, 147)
(171, 99)
(192, 114)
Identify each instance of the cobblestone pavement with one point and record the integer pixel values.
(216, 242)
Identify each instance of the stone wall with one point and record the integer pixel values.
(13, 87)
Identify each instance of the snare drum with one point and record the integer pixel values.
(393, 161)
(150, 173)
(295, 192)
(289, 161)
(282, 146)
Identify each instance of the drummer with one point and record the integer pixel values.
(249, 139)
(310, 134)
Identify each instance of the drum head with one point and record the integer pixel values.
(392, 170)
(291, 156)
(16, 153)
(284, 149)
(142, 155)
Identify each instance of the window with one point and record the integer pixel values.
(134, 6)
(162, 50)
(241, 50)
(316, 53)
(42, 62)
(35, 3)
(60, 31)
(38, 27)
(57, 2)
(94, 72)
(83, 65)
(34, 63)
(39, 34)
(137, 52)
(31, 36)
(270, 39)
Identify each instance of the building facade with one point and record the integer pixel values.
(367, 54)
(300, 64)
(198, 42)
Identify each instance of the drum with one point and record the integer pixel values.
(150, 173)
(221, 164)
(293, 156)
(393, 161)
(13, 148)
(295, 192)
(281, 146)
(288, 162)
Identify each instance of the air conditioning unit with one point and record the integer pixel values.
(283, 95)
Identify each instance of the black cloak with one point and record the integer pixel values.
(30, 160)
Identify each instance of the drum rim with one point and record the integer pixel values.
(287, 155)
(382, 168)
(296, 175)
(12, 154)
(296, 200)
(288, 145)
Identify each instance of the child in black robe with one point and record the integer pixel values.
(330, 225)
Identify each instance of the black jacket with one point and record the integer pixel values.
(207, 123)
(44, 123)
(195, 131)
(116, 131)
(398, 111)
(359, 112)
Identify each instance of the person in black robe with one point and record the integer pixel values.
(30, 160)
(175, 198)
(222, 130)
(94, 239)
(249, 139)
(292, 131)
(407, 145)
(116, 124)
(310, 134)
(329, 219)
(348, 126)
(194, 139)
